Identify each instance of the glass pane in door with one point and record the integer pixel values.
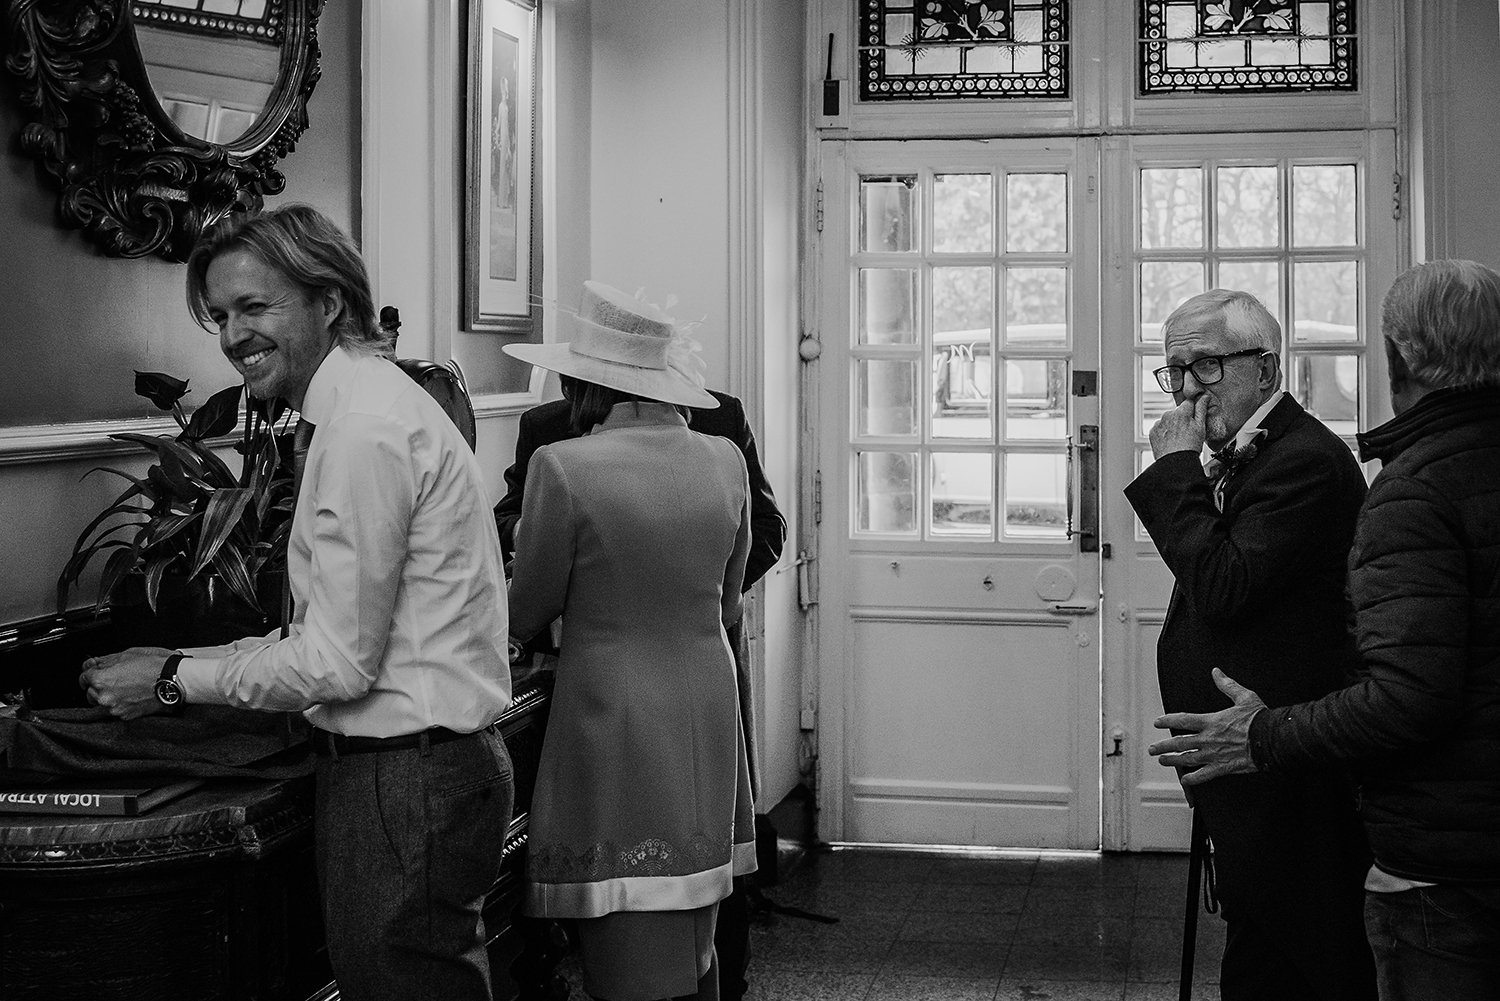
(963, 214)
(962, 494)
(887, 306)
(1036, 495)
(886, 492)
(1036, 213)
(1249, 206)
(887, 397)
(888, 214)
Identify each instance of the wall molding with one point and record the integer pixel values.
(81, 440)
(746, 240)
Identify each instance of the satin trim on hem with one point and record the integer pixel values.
(640, 893)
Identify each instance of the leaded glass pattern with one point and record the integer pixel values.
(914, 50)
(1247, 46)
(257, 19)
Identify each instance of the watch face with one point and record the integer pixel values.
(168, 692)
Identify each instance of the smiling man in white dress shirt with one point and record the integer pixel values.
(397, 648)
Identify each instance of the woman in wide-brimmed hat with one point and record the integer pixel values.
(636, 534)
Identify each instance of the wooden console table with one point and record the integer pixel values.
(214, 895)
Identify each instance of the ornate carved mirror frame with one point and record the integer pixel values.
(134, 181)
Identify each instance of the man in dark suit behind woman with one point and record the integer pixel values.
(547, 424)
(1258, 537)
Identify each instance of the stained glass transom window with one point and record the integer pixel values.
(257, 19)
(956, 49)
(1254, 46)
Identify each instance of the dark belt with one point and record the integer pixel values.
(327, 742)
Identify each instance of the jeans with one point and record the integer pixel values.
(1440, 942)
(408, 844)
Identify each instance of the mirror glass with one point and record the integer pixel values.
(213, 64)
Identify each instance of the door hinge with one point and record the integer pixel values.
(1396, 196)
(1091, 187)
(818, 208)
(818, 497)
(807, 581)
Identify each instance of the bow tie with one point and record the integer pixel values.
(1231, 457)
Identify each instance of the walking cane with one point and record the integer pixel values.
(1197, 849)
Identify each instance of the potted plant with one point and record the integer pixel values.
(191, 524)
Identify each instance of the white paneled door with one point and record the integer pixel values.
(959, 601)
(989, 316)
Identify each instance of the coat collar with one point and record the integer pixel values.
(1437, 411)
(1281, 417)
(640, 413)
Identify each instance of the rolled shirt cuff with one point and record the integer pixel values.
(198, 679)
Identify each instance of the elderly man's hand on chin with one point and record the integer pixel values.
(125, 683)
(1215, 744)
(1181, 429)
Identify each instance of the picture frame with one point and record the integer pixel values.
(502, 260)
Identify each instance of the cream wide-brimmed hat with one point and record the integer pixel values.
(623, 342)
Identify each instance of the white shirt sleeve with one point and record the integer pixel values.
(347, 551)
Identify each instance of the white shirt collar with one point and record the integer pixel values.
(322, 389)
(1250, 428)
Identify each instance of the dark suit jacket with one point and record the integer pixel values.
(548, 423)
(1259, 593)
(1259, 588)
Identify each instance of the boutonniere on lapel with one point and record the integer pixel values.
(1230, 459)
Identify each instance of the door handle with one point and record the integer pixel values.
(1087, 462)
(1075, 609)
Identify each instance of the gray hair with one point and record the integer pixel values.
(1441, 322)
(1244, 320)
(311, 251)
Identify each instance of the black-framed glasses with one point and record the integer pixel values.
(1207, 370)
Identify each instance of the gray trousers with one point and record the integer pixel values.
(408, 843)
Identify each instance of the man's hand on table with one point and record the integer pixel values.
(125, 683)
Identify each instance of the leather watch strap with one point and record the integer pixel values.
(169, 669)
(168, 690)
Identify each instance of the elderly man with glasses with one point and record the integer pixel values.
(1252, 503)
(1422, 722)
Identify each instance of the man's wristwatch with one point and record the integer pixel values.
(168, 689)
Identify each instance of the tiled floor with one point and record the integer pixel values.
(918, 927)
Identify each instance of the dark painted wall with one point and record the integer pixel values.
(74, 324)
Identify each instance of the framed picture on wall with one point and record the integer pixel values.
(502, 263)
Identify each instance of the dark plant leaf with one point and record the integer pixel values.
(71, 572)
(118, 507)
(224, 510)
(73, 569)
(270, 410)
(188, 454)
(216, 417)
(160, 388)
(181, 484)
(155, 571)
(141, 485)
(230, 564)
(121, 562)
(165, 527)
(215, 473)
